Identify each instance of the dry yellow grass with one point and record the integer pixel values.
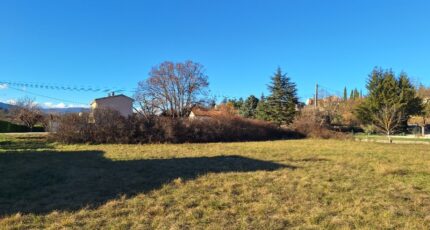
(307, 184)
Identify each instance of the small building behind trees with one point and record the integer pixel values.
(198, 113)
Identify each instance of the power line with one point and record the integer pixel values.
(40, 95)
(48, 86)
(39, 85)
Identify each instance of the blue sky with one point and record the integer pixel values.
(241, 43)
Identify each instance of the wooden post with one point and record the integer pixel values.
(316, 96)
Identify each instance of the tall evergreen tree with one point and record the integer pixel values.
(345, 94)
(408, 95)
(356, 94)
(283, 99)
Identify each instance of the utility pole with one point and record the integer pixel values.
(316, 96)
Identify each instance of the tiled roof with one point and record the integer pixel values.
(206, 113)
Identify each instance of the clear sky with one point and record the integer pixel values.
(241, 43)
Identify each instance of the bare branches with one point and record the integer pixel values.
(172, 89)
(388, 119)
(27, 112)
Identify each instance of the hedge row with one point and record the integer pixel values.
(111, 127)
(7, 127)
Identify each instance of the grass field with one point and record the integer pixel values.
(306, 184)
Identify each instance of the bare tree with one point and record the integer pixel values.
(147, 105)
(26, 111)
(172, 89)
(388, 119)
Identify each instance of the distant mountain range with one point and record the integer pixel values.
(5, 106)
(65, 110)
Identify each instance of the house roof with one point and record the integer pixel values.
(199, 112)
(109, 97)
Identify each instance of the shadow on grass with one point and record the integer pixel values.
(41, 182)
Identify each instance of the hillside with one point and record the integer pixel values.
(5, 106)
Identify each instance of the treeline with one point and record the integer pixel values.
(391, 101)
(354, 95)
(166, 98)
(391, 104)
(280, 107)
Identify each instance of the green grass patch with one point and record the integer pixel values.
(310, 184)
(394, 138)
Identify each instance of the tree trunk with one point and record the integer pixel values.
(389, 137)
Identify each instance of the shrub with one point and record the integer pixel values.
(313, 124)
(233, 128)
(8, 127)
(369, 129)
(102, 126)
(110, 127)
(73, 128)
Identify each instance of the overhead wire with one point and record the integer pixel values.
(49, 97)
(324, 90)
(39, 85)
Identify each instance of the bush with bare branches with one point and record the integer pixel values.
(110, 127)
(313, 123)
(25, 111)
(103, 126)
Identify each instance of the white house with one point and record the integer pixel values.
(120, 103)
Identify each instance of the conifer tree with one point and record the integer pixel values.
(390, 102)
(261, 109)
(408, 95)
(345, 94)
(356, 94)
(236, 103)
(249, 106)
(282, 100)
